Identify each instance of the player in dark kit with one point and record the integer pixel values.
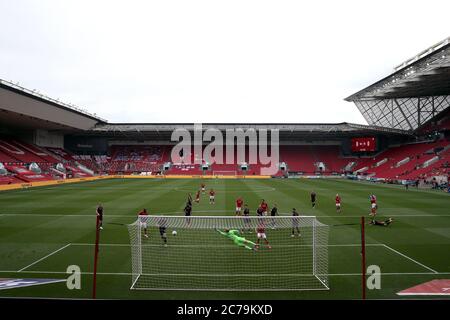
(295, 222)
(384, 223)
(187, 213)
(313, 199)
(247, 220)
(273, 213)
(99, 212)
(162, 230)
(189, 200)
(259, 211)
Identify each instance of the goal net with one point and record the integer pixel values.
(222, 253)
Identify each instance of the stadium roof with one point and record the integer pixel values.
(31, 109)
(303, 127)
(426, 74)
(287, 130)
(415, 92)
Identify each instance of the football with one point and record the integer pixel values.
(174, 232)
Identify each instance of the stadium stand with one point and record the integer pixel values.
(406, 161)
(403, 161)
(298, 159)
(24, 152)
(9, 180)
(6, 158)
(129, 159)
(26, 175)
(407, 112)
(312, 159)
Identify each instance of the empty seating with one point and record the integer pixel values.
(400, 162)
(22, 173)
(9, 180)
(25, 152)
(403, 162)
(312, 159)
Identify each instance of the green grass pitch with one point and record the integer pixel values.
(43, 230)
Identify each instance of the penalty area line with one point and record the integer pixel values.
(43, 258)
(411, 259)
(212, 211)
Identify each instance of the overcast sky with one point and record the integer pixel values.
(213, 61)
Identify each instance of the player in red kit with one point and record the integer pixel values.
(197, 196)
(264, 206)
(239, 203)
(212, 196)
(261, 234)
(338, 203)
(373, 205)
(143, 218)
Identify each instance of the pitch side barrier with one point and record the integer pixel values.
(216, 177)
(321, 177)
(27, 185)
(179, 176)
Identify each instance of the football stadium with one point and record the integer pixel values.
(94, 209)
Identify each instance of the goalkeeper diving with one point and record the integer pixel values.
(235, 236)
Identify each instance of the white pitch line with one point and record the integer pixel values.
(156, 274)
(411, 259)
(110, 215)
(423, 294)
(43, 258)
(209, 211)
(222, 246)
(390, 215)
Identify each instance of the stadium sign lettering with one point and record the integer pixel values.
(258, 147)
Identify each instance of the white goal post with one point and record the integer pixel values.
(222, 253)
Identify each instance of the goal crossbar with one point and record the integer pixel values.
(229, 222)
